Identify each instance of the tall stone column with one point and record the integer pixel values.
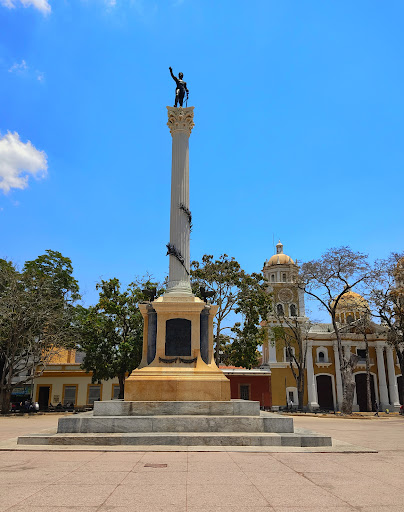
(180, 123)
(340, 394)
(384, 397)
(395, 401)
(311, 383)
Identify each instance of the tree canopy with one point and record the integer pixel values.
(37, 310)
(111, 331)
(234, 291)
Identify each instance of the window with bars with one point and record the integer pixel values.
(94, 394)
(69, 396)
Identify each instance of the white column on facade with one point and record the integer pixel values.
(393, 388)
(384, 397)
(180, 123)
(311, 380)
(340, 394)
(272, 353)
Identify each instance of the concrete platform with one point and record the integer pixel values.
(177, 424)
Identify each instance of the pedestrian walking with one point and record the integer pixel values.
(376, 409)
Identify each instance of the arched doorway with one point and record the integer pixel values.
(400, 384)
(360, 380)
(324, 392)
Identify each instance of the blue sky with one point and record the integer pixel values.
(298, 129)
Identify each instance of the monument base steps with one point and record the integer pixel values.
(231, 423)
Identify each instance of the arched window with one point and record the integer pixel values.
(273, 278)
(279, 309)
(284, 278)
(293, 310)
(322, 354)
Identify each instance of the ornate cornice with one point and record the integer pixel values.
(180, 119)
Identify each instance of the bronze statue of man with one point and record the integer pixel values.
(181, 88)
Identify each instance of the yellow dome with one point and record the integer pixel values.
(279, 259)
(352, 302)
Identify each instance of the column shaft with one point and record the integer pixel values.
(311, 383)
(180, 122)
(394, 400)
(384, 397)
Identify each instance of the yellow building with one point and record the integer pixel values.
(64, 382)
(323, 383)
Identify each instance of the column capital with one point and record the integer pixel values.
(180, 119)
(379, 348)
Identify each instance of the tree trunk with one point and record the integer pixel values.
(121, 379)
(349, 389)
(5, 401)
(368, 392)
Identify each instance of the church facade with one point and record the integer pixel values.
(323, 382)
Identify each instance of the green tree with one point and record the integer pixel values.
(234, 291)
(37, 310)
(111, 332)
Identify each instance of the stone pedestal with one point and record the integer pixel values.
(177, 362)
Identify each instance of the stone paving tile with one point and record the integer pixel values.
(145, 507)
(212, 467)
(233, 496)
(152, 496)
(207, 478)
(60, 495)
(96, 477)
(359, 495)
(279, 479)
(234, 508)
(43, 475)
(164, 456)
(331, 481)
(103, 467)
(13, 494)
(344, 508)
(304, 495)
(161, 476)
(30, 508)
(120, 457)
(217, 457)
(266, 467)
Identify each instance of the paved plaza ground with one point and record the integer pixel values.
(84, 481)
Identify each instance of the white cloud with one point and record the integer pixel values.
(19, 160)
(41, 5)
(18, 67)
(40, 76)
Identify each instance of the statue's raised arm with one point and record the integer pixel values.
(172, 74)
(181, 88)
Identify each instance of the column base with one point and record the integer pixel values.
(178, 289)
(313, 406)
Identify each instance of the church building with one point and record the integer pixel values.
(323, 383)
